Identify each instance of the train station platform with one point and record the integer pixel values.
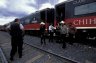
(76, 52)
(30, 54)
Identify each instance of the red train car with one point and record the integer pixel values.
(32, 21)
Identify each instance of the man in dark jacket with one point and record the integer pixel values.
(42, 33)
(16, 32)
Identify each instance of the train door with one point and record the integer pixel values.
(50, 16)
(42, 16)
(47, 16)
(60, 12)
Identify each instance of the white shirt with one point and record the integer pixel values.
(51, 27)
(21, 27)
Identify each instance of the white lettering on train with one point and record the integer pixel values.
(85, 21)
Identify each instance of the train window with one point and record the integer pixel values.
(27, 21)
(33, 20)
(85, 9)
(22, 22)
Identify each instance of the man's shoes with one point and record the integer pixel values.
(20, 56)
(63, 47)
(11, 59)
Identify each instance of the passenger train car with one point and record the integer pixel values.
(82, 13)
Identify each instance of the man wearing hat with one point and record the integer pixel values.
(42, 33)
(63, 33)
(62, 22)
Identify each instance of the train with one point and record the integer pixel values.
(82, 13)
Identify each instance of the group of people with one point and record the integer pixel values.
(63, 31)
(66, 33)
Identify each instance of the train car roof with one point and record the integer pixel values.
(45, 9)
(62, 3)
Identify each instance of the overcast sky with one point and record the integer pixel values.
(11, 9)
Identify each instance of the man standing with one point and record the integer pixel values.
(72, 32)
(63, 33)
(51, 31)
(17, 32)
(42, 33)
